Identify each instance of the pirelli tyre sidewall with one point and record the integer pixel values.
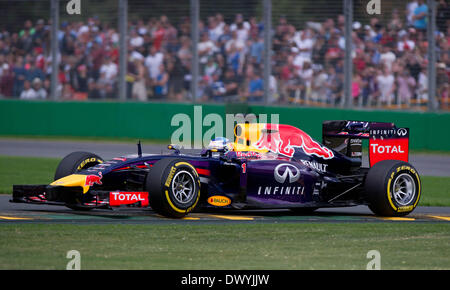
(174, 187)
(75, 162)
(385, 184)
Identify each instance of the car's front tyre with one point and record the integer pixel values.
(73, 163)
(174, 187)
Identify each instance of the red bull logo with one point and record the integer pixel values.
(93, 179)
(283, 139)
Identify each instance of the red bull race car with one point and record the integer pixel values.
(267, 166)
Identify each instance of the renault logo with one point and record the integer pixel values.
(283, 170)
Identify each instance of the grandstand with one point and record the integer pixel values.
(390, 57)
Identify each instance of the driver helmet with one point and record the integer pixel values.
(220, 143)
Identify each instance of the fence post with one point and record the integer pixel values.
(267, 48)
(348, 64)
(431, 28)
(54, 11)
(195, 17)
(123, 50)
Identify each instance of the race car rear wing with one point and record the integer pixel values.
(386, 141)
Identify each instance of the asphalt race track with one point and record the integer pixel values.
(427, 164)
(29, 213)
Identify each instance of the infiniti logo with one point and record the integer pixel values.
(402, 132)
(283, 170)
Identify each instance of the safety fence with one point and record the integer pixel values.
(284, 52)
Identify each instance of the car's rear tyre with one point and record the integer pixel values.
(392, 188)
(174, 187)
(73, 163)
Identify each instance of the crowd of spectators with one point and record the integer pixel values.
(389, 59)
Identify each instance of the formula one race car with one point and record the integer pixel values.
(267, 166)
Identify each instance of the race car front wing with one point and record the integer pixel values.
(73, 196)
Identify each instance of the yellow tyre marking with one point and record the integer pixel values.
(445, 218)
(195, 203)
(418, 190)
(389, 192)
(172, 205)
(398, 219)
(232, 217)
(183, 163)
(167, 192)
(389, 186)
(14, 218)
(89, 160)
(187, 164)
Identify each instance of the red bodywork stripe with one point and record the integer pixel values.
(128, 167)
(202, 171)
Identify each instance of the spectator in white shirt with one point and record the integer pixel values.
(214, 29)
(153, 62)
(235, 41)
(387, 58)
(135, 39)
(28, 93)
(41, 93)
(206, 48)
(304, 43)
(109, 70)
(404, 44)
(241, 27)
(386, 86)
(422, 85)
(33, 92)
(410, 7)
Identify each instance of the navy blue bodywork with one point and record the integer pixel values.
(247, 179)
(308, 181)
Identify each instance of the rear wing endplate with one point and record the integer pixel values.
(386, 141)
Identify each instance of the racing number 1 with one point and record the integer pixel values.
(244, 166)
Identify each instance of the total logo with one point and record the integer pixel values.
(394, 148)
(119, 198)
(388, 149)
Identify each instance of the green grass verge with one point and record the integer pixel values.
(30, 170)
(436, 191)
(236, 246)
(25, 170)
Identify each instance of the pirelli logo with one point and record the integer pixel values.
(169, 178)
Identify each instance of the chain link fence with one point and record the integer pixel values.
(282, 52)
